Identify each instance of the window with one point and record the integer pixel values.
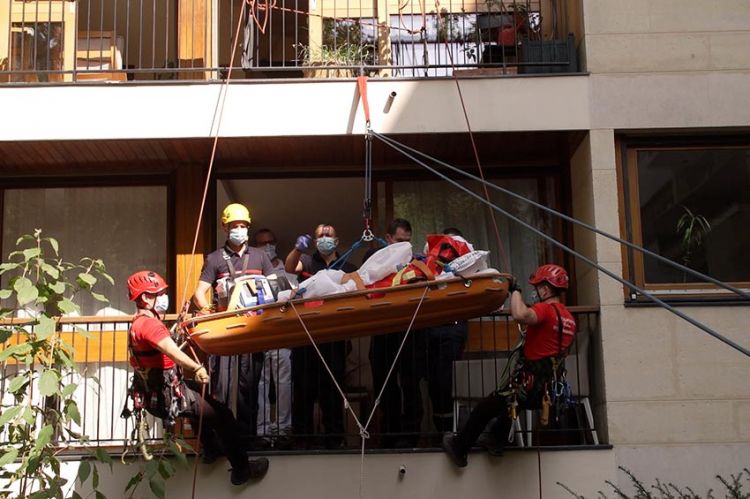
(124, 226)
(433, 205)
(690, 204)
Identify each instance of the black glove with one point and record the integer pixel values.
(513, 285)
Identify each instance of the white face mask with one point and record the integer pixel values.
(162, 304)
(270, 250)
(238, 235)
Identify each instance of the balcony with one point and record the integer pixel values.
(56, 41)
(105, 373)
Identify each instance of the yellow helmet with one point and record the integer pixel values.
(235, 212)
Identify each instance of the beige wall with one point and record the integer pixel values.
(678, 403)
(428, 475)
(297, 108)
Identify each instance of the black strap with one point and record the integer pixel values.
(559, 332)
(245, 260)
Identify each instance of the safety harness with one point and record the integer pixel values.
(159, 391)
(541, 383)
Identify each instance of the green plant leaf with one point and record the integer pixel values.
(49, 383)
(25, 237)
(53, 242)
(103, 457)
(99, 495)
(84, 470)
(27, 295)
(57, 287)
(5, 334)
(8, 457)
(107, 277)
(83, 332)
(157, 486)
(134, 481)
(75, 495)
(17, 351)
(5, 294)
(30, 253)
(4, 267)
(99, 297)
(71, 411)
(177, 453)
(166, 469)
(51, 270)
(21, 283)
(67, 307)
(65, 358)
(28, 415)
(10, 413)
(68, 389)
(95, 476)
(44, 437)
(45, 328)
(87, 278)
(17, 383)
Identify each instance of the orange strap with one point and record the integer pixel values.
(362, 85)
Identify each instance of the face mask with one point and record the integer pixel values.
(326, 245)
(162, 304)
(270, 250)
(535, 296)
(238, 236)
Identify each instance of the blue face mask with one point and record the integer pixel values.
(326, 245)
(238, 236)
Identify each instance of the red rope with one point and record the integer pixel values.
(503, 256)
(362, 85)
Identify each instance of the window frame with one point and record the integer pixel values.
(631, 227)
(166, 180)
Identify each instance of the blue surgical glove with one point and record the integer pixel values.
(303, 243)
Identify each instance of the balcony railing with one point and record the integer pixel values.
(136, 40)
(104, 376)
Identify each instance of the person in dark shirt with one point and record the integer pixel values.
(220, 268)
(310, 379)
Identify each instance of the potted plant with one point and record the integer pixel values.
(344, 45)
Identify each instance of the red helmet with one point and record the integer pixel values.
(553, 274)
(145, 281)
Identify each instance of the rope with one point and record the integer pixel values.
(503, 256)
(363, 433)
(328, 369)
(391, 143)
(218, 115)
(584, 225)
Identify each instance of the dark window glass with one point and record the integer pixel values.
(695, 209)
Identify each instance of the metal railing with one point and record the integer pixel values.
(423, 401)
(137, 40)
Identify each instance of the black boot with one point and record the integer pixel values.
(254, 468)
(452, 447)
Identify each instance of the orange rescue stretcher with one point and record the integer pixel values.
(347, 315)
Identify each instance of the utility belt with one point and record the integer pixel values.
(162, 392)
(539, 384)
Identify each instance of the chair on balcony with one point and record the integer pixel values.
(100, 51)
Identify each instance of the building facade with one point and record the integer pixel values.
(629, 116)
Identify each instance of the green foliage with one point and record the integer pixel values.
(660, 490)
(34, 353)
(156, 472)
(692, 229)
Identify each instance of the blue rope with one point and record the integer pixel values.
(354, 247)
